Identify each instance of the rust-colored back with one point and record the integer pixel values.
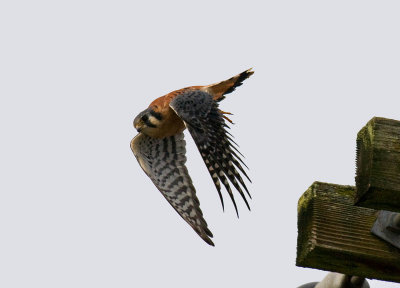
(220, 89)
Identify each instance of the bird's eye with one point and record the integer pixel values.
(145, 118)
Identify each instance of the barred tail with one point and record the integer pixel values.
(220, 89)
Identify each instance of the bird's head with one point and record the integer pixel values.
(147, 121)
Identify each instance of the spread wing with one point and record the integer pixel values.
(207, 126)
(163, 160)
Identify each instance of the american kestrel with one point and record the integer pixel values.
(160, 148)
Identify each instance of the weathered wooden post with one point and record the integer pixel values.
(335, 221)
(378, 165)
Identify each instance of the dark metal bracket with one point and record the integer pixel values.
(387, 227)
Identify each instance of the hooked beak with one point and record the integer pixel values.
(136, 123)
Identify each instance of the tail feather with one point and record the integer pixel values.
(220, 89)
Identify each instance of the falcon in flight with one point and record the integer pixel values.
(160, 147)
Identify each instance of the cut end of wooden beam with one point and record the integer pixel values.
(378, 165)
(334, 235)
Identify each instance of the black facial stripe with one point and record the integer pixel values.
(156, 115)
(148, 123)
(145, 117)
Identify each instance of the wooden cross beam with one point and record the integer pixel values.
(335, 235)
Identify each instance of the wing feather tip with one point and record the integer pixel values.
(209, 241)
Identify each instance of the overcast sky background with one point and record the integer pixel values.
(76, 210)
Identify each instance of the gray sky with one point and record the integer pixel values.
(76, 210)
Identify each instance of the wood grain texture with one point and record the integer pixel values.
(334, 235)
(378, 165)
